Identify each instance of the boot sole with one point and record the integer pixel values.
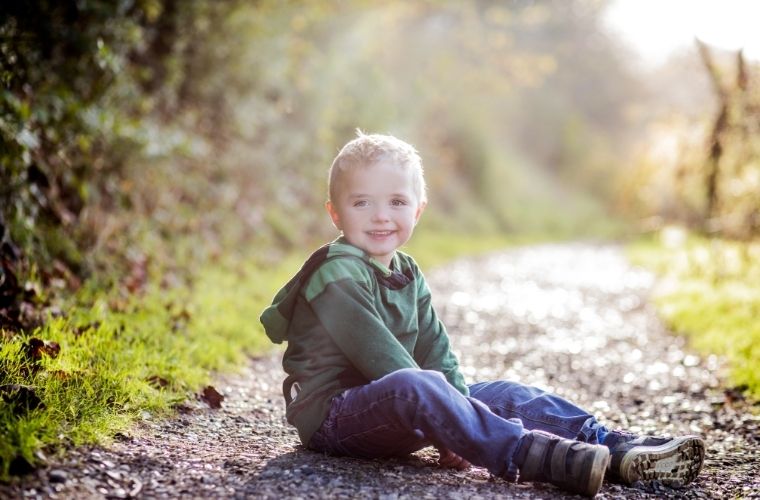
(674, 464)
(598, 468)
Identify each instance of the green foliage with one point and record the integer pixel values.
(57, 61)
(121, 356)
(79, 82)
(711, 293)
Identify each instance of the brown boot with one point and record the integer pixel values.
(571, 465)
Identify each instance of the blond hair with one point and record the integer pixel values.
(370, 149)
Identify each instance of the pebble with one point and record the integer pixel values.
(57, 476)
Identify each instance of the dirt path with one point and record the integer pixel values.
(571, 318)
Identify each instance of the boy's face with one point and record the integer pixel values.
(376, 208)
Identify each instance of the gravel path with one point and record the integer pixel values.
(571, 318)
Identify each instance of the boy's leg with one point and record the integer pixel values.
(539, 410)
(672, 461)
(411, 408)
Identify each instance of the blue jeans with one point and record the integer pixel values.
(410, 409)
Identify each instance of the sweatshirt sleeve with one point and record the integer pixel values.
(433, 351)
(340, 296)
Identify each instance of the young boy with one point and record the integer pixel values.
(370, 369)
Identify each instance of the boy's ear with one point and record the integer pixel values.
(420, 209)
(333, 214)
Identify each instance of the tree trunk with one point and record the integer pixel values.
(715, 139)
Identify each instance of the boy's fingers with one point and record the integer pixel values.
(462, 464)
(458, 463)
(451, 460)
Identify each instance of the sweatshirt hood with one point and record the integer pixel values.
(277, 317)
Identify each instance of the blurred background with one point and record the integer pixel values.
(163, 171)
(203, 127)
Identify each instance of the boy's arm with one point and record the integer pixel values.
(433, 350)
(346, 310)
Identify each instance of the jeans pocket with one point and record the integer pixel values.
(324, 438)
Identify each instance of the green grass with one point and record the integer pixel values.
(711, 293)
(113, 344)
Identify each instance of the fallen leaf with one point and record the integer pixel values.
(52, 349)
(22, 398)
(37, 348)
(157, 381)
(82, 329)
(212, 397)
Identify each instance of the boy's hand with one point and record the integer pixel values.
(449, 459)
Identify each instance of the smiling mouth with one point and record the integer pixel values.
(379, 234)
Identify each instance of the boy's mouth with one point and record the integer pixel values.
(379, 234)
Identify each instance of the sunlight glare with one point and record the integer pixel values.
(658, 28)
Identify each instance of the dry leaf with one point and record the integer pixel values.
(212, 397)
(37, 348)
(157, 381)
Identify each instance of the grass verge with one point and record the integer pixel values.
(125, 357)
(710, 292)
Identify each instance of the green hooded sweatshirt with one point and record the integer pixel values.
(349, 320)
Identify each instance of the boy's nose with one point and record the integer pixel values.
(380, 215)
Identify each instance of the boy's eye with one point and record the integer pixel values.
(398, 202)
(360, 203)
